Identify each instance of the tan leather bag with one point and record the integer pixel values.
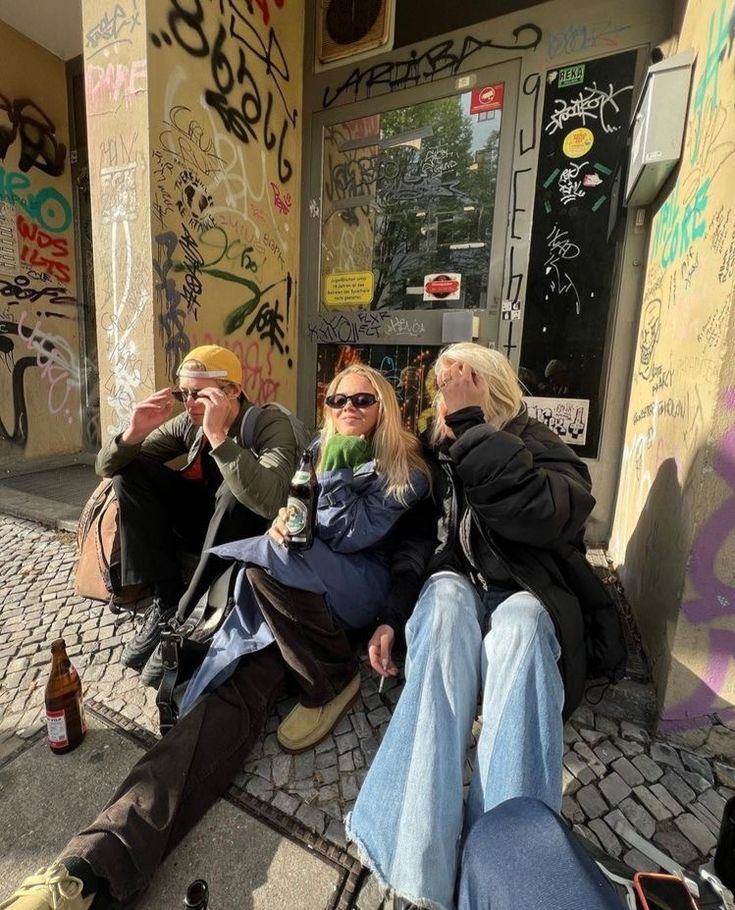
(97, 572)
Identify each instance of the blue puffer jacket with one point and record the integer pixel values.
(347, 564)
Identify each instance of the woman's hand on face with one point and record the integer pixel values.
(279, 529)
(460, 387)
(380, 648)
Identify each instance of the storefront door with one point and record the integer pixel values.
(408, 211)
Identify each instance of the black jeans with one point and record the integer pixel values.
(318, 654)
(180, 778)
(162, 513)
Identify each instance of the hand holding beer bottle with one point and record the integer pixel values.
(301, 506)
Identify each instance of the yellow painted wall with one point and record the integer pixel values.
(116, 89)
(40, 370)
(672, 536)
(225, 108)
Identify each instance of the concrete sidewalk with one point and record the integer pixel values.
(613, 769)
(246, 864)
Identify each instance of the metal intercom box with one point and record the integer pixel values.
(657, 132)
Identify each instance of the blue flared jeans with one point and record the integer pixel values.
(408, 818)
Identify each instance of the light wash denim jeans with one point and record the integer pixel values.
(407, 821)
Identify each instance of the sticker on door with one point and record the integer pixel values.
(442, 286)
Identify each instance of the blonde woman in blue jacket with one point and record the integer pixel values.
(370, 471)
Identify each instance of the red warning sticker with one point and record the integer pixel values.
(445, 286)
(487, 98)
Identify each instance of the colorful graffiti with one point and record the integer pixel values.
(716, 598)
(41, 250)
(47, 205)
(41, 374)
(672, 473)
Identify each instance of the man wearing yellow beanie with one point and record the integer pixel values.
(225, 492)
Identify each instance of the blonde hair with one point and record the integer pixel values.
(503, 398)
(397, 452)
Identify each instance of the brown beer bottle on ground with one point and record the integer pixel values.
(301, 505)
(64, 706)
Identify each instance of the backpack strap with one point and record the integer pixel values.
(247, 427)
(167, 710)
(178, 633)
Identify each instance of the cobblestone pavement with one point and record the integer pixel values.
(673, 797)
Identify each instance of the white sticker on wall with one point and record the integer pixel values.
(567, 417)
(8, 240)
(510, 309)
(442, 286)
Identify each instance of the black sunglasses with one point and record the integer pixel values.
(186, 394)
(359, 400)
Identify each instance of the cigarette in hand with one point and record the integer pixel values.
(384, 665)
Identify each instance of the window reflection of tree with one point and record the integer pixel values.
(434, 204)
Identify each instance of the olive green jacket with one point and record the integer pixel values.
(259, 481)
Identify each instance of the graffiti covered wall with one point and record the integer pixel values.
(535, 195)
(672, 536)
(116, 87)
(40, 371)
(225, 113)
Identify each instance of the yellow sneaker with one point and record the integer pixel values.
(302, 728)
(52, 888)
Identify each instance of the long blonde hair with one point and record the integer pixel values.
(503, 398)
(397, 452)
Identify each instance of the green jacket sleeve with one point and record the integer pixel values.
(260, 479)
(169, 441)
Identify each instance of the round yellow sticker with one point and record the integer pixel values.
(578, 142)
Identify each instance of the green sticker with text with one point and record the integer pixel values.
(571, 75)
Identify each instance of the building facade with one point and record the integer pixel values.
(307, 187)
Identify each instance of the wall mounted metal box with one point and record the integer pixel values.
(657, 131)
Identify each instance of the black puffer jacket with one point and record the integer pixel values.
(513, 504)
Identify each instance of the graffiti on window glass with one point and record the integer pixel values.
(409, 195)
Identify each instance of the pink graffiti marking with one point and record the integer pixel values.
(258, 380)
(728, 399)
(282, 203)
(57, 362)
(716, 599)
(108, 87)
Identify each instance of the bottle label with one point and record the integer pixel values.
(56, 725)
(297, 514)
(300, 478)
